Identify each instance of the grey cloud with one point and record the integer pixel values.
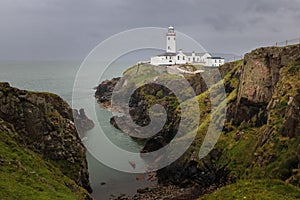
(69, 29)
(263, 6)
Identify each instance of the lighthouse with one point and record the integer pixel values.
(172, 57)
(171, 40)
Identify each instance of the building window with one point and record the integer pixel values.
(170, 57)
(183, 58)
(168, 38)
(169, 47)
(178, 57)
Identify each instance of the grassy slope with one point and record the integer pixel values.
(279, 153)
(256, 190)
(25, 175)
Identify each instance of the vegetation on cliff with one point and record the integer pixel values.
(41, 152)
(26, 175)
(260, 140)
(255, 190)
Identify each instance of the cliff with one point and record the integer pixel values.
(260, 139)
(259, 144)
(41, 126)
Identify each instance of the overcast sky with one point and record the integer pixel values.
(69, 29)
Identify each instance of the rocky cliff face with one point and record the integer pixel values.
(45, 124)
(261, 135)
(260, 139)
(259, 77)
(104, 92)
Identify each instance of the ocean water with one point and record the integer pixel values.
(58, 77)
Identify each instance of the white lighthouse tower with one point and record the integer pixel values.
(171, 40)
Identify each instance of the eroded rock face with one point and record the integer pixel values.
(291, 126)
(104, 91)
(259, 77)
(45, 125)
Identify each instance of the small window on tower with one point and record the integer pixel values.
(169, 47)
(174, 38)
(168, 38)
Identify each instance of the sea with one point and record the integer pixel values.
(58, 77)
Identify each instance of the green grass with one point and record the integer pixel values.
(256, 190)
(237, 154)
(294, 68)
(25, 175)
(139, 75)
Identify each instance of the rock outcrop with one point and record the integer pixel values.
(45, 125)
(104, 92)
(82, 122)
(260, 139)
(259, 77)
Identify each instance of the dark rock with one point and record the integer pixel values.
(45, 125)
(102, 183)
(154, 144)
(104, 91)
(291, 126)
(144, 190)
(82, 122)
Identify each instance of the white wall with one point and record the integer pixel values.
(196, 59)
(180, 58)
(214, 62)
(171, 43)
(161, 60)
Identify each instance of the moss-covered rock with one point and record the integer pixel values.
(44, 124)
(26, 175)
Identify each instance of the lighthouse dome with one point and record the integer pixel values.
(171, 28)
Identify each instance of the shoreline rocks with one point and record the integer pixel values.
(104, 92)
(82, 122)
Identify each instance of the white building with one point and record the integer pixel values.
(215, 61)
(172, 57)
